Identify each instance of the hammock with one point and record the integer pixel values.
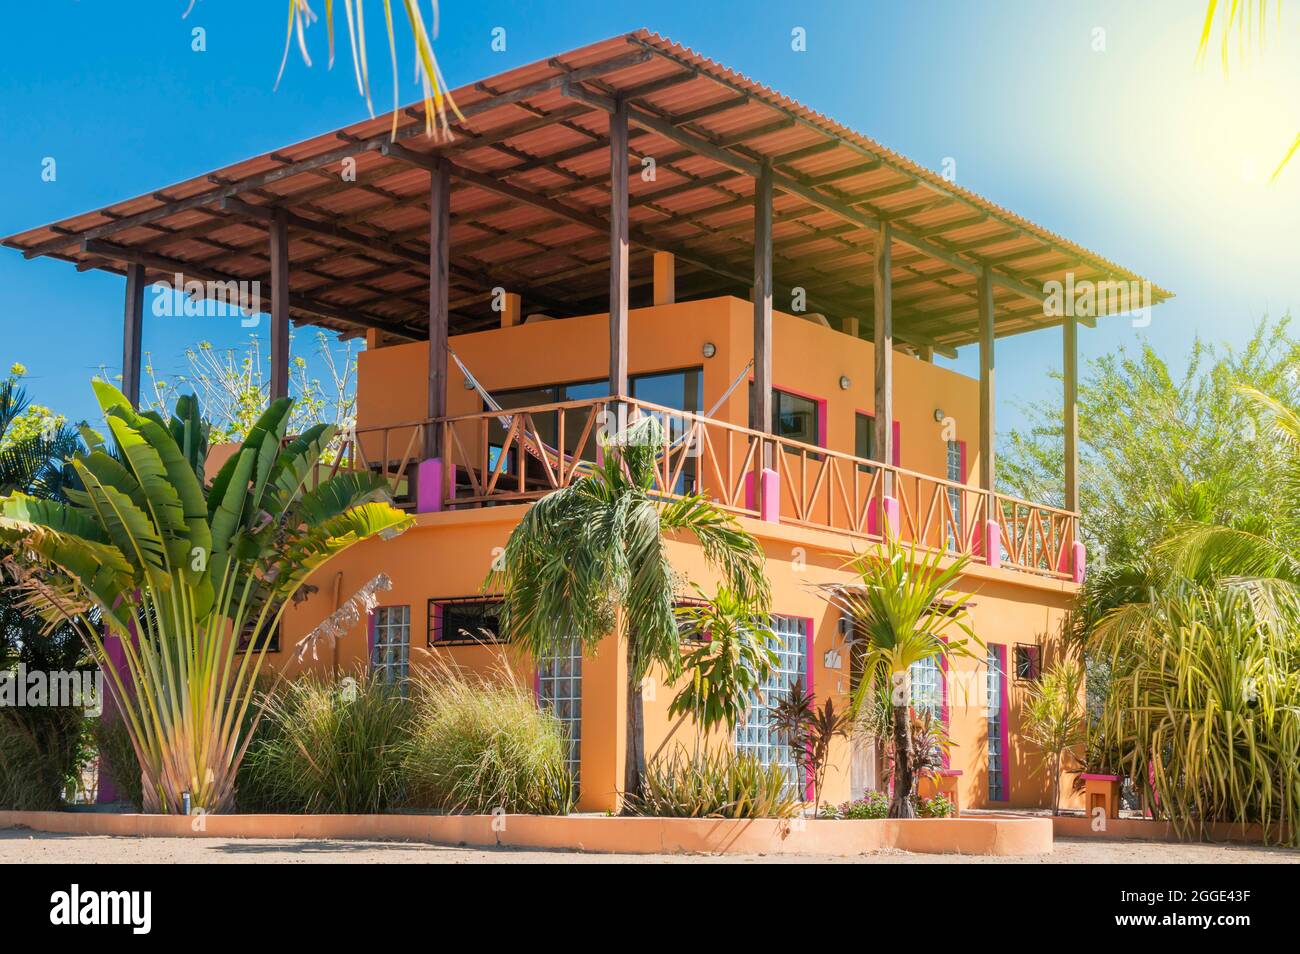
(538, 448)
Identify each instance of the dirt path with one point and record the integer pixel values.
(19, 846)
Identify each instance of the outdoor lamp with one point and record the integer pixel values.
(709, 349)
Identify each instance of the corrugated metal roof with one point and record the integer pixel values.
(359, 226)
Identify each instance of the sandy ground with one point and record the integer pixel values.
(20, 846)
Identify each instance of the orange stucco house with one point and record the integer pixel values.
(630, 225)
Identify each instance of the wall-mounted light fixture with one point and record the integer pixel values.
(845, 383)
(469, 385)
(709, 349)
(939, 415)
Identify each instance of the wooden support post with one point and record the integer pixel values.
(926, 353)
(851, 327)
(1070, 360)
(439, 291)
(510, 311)
(761, 402)
(279, 231)
(665, 283)
(618, 250)
(987, 384)
(132, 327)
(883, 343)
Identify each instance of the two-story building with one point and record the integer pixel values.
(630, 225)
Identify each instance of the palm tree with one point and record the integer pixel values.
(437, 98)
(591, 559)
(183, 574)
(902, 609)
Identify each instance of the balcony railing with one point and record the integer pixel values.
(493, 458)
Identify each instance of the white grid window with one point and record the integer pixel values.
(927, 685)
(754, 733)
(559, 688)
(391, 654)
(996, 755)
(955, 495)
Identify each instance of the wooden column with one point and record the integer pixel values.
(883, 343)
(1070, 360)
(618, 250)
(760, 409)
(439, 308)
(279, 230)
(132, 327)
(665, 278)
(987, 390)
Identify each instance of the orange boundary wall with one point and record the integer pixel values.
(968, 836)
(1146, 829)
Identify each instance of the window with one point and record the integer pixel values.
(794, 417)
(559, 688)
(754, 733)
(1026, 662)
(390, 651)
(467, 621)
(682, 391)
(957, 474)
(997, 773)
(271, 637)
(927, 685)
(547, 423)
(864, 437)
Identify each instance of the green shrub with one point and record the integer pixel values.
(326, 748)
(715, 784)
(40, 756)
(117, 760)
(871, 805)
(480, 743)
(938, 807)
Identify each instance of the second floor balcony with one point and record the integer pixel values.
(530, 415)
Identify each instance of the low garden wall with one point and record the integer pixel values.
(1147, 829)
(595, 833)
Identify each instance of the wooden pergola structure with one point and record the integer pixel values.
(749, 192)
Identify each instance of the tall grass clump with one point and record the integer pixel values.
(719, 783)
(1204, 710)
(40, 751)
(325, 747)
(117, 760)
(480, 742)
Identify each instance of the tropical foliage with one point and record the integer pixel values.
(437, 99)
(1054, 721)
(1204, 709)
(1188, 624)
(808, 732)
(328, 747)
(591, 560)
(715, 783)
(904, 611)
(178, 571)
(729, 656)
(480, 743)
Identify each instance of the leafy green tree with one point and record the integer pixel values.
(182, 573)
(591, 559)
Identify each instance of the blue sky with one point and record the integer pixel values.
(1130, 149)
